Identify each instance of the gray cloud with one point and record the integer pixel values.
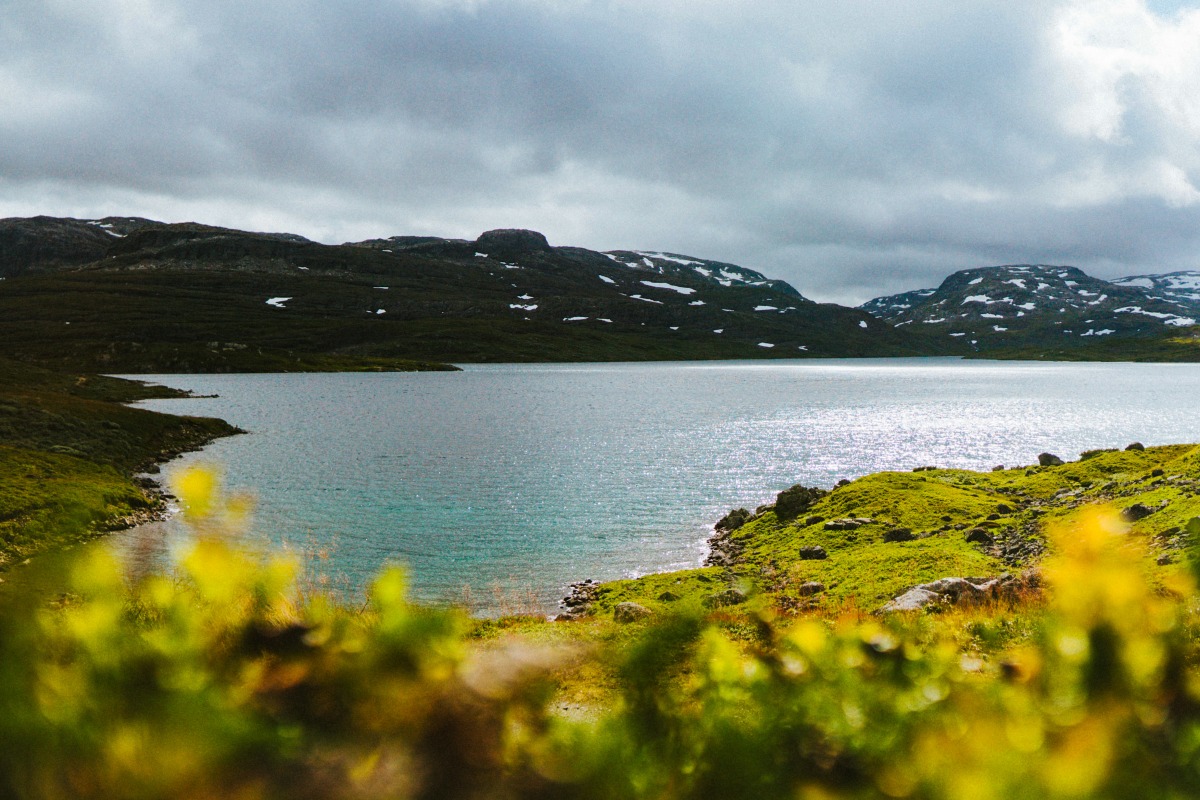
(853, 148)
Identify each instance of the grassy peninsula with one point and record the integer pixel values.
(69, 450)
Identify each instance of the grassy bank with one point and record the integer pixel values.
(69, 449)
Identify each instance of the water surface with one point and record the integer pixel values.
(511, 481)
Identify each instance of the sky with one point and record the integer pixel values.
(852, 148)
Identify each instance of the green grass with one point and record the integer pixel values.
(51, 500)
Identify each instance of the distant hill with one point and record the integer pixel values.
(130, 294)
(1042, 310)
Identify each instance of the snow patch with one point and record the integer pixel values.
(658, 285)
(607, 279)
(765, 344)
(766, 308)
(665, 257)
(976, 281)
(532, 307)
(277, 301)
(862, 323)
(646, 299)
(976, 298)
(574, 319)
(696, 303)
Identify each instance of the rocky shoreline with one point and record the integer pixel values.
(1011, 532)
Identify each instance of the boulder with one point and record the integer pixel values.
(813, 553)
(899, 535)
(729, 597)
(847, 523)
(1004, 508)
(668, 597)
(1135, 446)
(998, 468)
(946, 590)
(912, 600)
(630, 612)
(733, 520)
(791, 503)
(981, 536)
(810, 588)
(1136, 511)
(1049, 460)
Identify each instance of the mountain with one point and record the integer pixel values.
(134, 295)
(1044, 310)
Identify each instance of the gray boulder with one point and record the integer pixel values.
(950, 591)
(729, 597)
(1049, 460)
(630, 612)
(813, 553)
(899, 535)
(810, 588)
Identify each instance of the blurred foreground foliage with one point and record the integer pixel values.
(224, 680)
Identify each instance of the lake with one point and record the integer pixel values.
(502, 484)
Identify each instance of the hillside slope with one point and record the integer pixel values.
(134, 295)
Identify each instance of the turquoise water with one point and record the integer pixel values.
(505, 483)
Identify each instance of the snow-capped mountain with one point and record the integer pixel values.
(1017, 305)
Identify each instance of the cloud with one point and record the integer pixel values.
(853, 148)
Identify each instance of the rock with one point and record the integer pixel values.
(847, 523)
(912, 600)
(945, 590)
(511, 241)
(993, 517)
(668, 597)
(1049, 460)
(1165, 559)
(998, 468)
(841, 483)
(733, 520)
(810, 588)
(1136, 511)
(1136, 446)
(924, 469)
(1004, 508)
(899, 535)
(980, 536)
(1156, 473)
(814, 520)
(630, 612)
(791, 503)
(729, 597)
(813, 553)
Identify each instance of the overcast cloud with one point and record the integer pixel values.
(852, 148)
